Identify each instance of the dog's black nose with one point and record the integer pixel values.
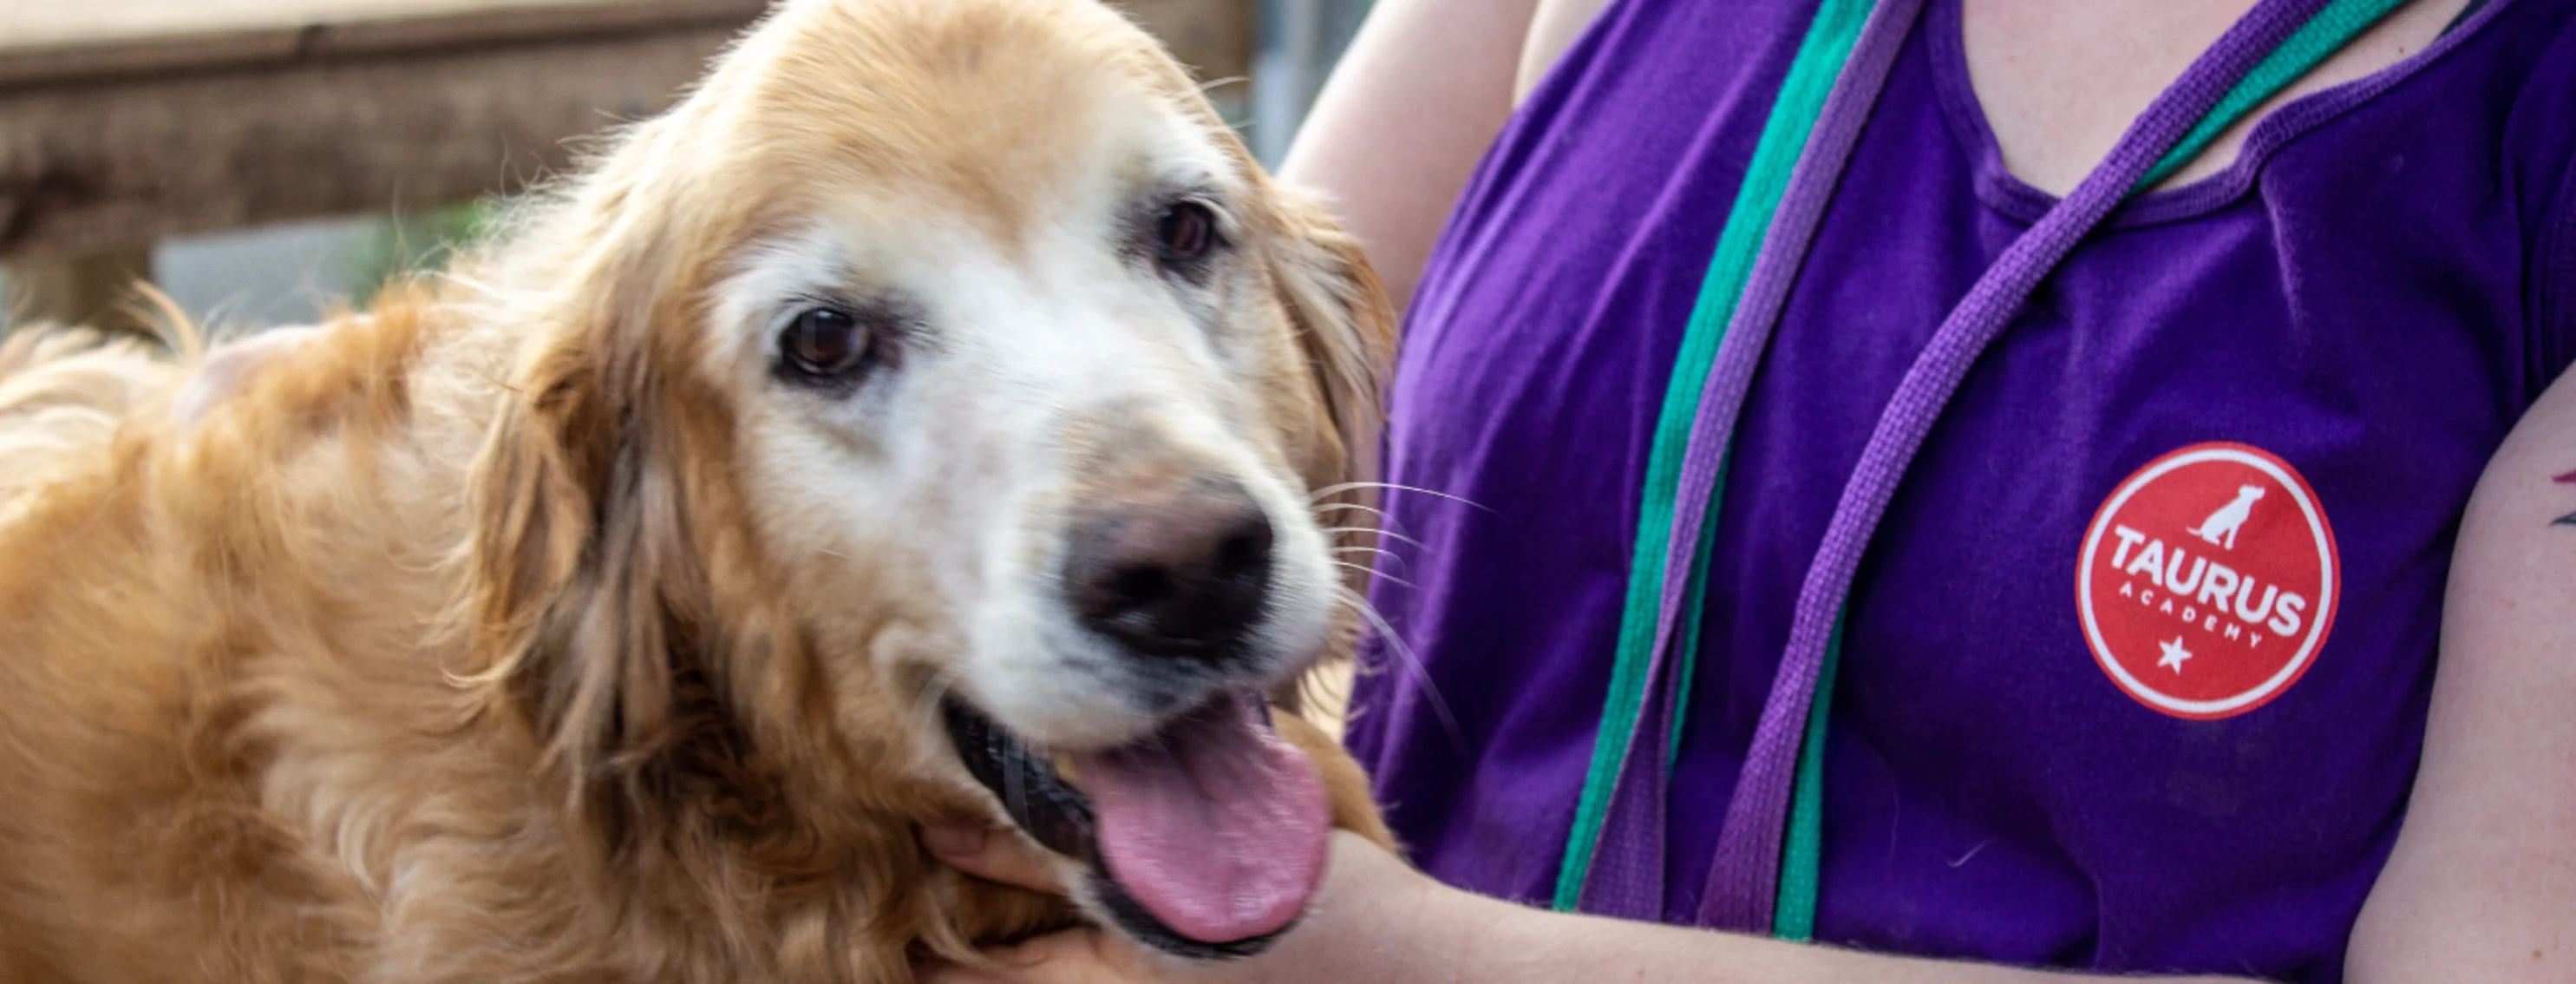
(1182, 577)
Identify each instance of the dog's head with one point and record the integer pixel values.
(939, 391)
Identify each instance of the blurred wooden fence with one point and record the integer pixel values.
(124, 121)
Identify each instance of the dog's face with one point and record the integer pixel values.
(1061, 401)
(943, 389)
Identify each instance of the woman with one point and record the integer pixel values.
(2257, 420)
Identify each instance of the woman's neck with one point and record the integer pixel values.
(2061, 79)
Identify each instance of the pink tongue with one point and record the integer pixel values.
(1215, 826)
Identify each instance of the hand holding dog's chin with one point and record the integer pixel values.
(1374, 919)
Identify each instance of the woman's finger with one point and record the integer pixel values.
(993, 854)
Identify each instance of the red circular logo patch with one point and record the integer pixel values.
(2208, 581)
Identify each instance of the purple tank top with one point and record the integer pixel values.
(2135, 671)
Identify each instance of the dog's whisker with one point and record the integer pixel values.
(1212, 85)
(1376, 574)
(1350, 486)
(1325, 507)
(1384, 523)
(1380, 555)
(1412, 663)
(1398, 537)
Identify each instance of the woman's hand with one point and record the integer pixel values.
(1368, 922)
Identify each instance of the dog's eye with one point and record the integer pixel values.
(824, 345)
(1184, 234)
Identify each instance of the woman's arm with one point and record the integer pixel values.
(1377, 920)
(2482, 886)
(1407, 113)
(1552, 30)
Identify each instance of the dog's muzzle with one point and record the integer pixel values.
(1204, 840)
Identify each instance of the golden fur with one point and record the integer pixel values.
(451, 647)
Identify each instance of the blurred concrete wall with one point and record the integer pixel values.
(1300, 41)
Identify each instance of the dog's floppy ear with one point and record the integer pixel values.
(1346, 331)
(588, 598)
(572, 545)
(1344, 324)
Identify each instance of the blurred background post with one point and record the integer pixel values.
(260, 161)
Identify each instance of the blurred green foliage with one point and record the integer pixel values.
(416, 243)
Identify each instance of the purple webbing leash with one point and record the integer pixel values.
(1627, 878)
(1744, 875)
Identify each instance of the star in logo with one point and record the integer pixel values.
(2174, 654)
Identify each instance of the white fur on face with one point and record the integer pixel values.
(951, 470)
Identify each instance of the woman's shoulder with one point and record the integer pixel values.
(1616, 96)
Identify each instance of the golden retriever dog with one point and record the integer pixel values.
(928, 419)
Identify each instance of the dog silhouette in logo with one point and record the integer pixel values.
(2221, 526)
